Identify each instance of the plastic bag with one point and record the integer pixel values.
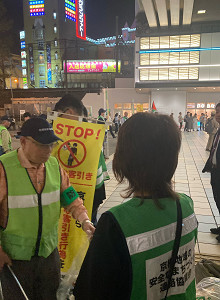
(67, 282)
(208, 289)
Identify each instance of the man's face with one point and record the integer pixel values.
(126, 114)
(26, 118)
(103, 114)
(217, 115)
(6, 123)
(35, 152)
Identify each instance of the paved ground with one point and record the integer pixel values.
(190, 180)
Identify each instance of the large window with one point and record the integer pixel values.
(170, 42)
(169, 74)
(169, 58)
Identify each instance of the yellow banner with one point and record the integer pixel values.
(79, 155)
(140, 108)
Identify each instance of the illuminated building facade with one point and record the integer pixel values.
(50, 36)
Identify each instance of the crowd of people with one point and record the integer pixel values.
(140, 249)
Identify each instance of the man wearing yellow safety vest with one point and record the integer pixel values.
(5, 138)
(33, 187)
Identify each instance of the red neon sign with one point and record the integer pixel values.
(80, 19)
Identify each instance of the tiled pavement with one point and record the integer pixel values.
(190, 180)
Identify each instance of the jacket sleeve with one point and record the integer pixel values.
(106, 272)
(70, 199)
(5, 140)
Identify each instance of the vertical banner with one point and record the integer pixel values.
(78, 154)
(80, 19)
(31, 64)
(140, 108)
(49, 72)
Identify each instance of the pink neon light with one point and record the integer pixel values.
(90, 66)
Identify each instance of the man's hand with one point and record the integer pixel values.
(4, 259)
(89, 228)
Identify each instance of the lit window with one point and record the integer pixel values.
(55, 29)
(154, 58)
(56, 55)
(41, 58)
(42, 83)
(184, 57)
(144, 43)
(24, 72)
(144, 73)
(164, 42)
(174, 58)
(55, 43)
(153, 74)
(41, 71)
(193, 73)
(195, 40)
(194, 57)
(23, 63)
(164, 58)
(163, 74)
(154, 42)
(54, 15)
(184, 41)
(174, 41)
(56, 67)
(144, 59)
(173, 74)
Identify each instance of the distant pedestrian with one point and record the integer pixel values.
(195, 121)
(26, 116)
(5, 137)
(202, 121)
(186, 120)
(190, 122)
(124, 118)
(180, 119)
(213, 128)
(115, 121)
(110, 126)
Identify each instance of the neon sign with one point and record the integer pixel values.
(80, 19)
(36, 8)
(70, 10)
(90, 66)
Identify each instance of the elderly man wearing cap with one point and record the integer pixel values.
(33, 187)
(5, 137)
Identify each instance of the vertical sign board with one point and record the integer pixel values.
(31, 63)
(49, 72)
(80, 19)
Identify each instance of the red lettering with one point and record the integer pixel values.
(69, 128)
(88, 132)
(60, 129)
(78, 134)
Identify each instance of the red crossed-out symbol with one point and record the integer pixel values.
(80, 149)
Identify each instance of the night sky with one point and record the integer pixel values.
(100, 17)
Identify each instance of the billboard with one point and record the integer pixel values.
(36, 8)
(80, 19)
(49, 72)
(70, 10)
(92, 66)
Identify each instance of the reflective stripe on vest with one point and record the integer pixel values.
(150, 234)
(32, 200)
(160, 236)
(33, 218)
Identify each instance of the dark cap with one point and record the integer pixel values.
(40, 130)
(101, 110)
(5, 118)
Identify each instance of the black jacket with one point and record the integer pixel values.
(208, 166)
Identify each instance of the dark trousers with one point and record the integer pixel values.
(186, 126)
(99, 196)
(111, 131)
(215, 183)
(39, 277)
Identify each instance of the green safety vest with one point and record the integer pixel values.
(1, 129)
(102, 173)
(150, 234)
(32, 227)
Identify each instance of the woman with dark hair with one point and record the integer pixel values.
(143, 248)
